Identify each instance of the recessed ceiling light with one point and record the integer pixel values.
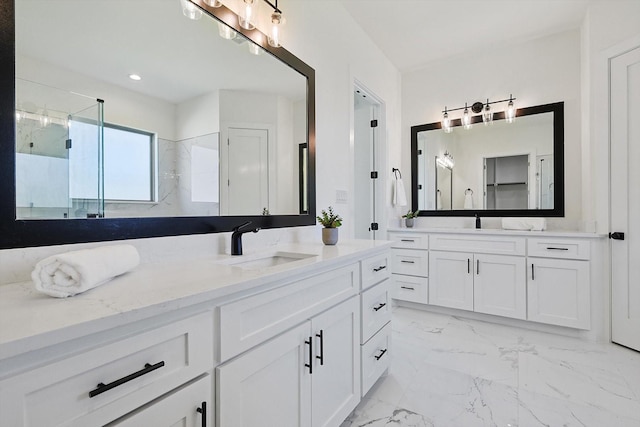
(135, 77)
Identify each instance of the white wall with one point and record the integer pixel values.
(325, 36)
(536, 72)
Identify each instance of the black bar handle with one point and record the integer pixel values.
(382, 267)
(101, 388)
(551, 248)
(407, 240)
(477, 266)
(468, 266)
(310, 364)
(382, 304)
(407, 262)
(408, 287)
(533, 275)
(203, 411)
(321, 357)
(378, 357)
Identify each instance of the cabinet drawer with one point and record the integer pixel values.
(140, 368)
(500, 245)
(409, 240)
(411, 262)
(374, 269)
(410, 288)
(558, 248)
(375, 309)
(255, 319)
(376, 357)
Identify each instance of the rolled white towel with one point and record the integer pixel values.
(67, 274)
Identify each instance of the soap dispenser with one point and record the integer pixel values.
(478, 225)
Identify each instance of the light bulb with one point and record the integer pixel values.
(446, 122)
(226, 32)
(510, 113)
(254, 48)
(246, 19)
(274, 37)
(213, 3)
(487, 115)
(466, 118)
(44, 118)
(190, 10)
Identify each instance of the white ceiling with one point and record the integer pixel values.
(414, 33)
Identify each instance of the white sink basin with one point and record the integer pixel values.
(265, 260)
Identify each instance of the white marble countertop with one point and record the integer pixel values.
(499, 231)
(30, 320)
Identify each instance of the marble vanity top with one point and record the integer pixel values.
(498, 231)
(30, 320)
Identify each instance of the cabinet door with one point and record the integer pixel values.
(189, 406)
(500, 285)
(336, 371)
(559, 292)
(451, 281)
(268, 385)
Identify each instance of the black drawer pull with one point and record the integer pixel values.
(408, 262)
(321, 357)
(106, 387)
(310, 365)
(407, 287)
(407, 240)
(203, 411)
(382, 267)
(378, 357)
(551, 248)
(382, 304)
(533, 275)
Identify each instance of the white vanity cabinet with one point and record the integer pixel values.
(307, 376)
(559, 282)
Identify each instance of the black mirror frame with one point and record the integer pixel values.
(558, 166)
(33, 232)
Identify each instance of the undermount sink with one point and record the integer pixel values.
(265, 260)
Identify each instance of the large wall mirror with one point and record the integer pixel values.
(496, 169)
(207, 135)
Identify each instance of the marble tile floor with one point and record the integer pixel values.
(448, 371)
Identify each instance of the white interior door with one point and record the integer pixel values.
(248, 171)
(625, 198)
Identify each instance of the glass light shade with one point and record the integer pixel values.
(246, 19)
(254, 48)
(510, 112)
(274, 37)
(487, 115)
(190, 10)
(45, 120)
(466, 118)
(226, 32)
(446, 122)
(212, 3)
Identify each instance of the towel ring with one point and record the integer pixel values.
(394, 170)
(466, 192)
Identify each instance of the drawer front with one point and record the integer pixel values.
(409, 240)
(500, 245)
(158, 360)
(410, 288)
(375, 309)
(250, 321)
(376, 357)
(558, 248)
(410, 262)
(374, 270)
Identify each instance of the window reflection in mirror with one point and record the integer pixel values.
(500, 167)
(227, 123)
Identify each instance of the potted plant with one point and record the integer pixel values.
(409, 217)
(330, 221)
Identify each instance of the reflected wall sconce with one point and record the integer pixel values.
(446, 161)
(466, 121)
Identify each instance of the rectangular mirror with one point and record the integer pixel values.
(211, 127)
(497, 169)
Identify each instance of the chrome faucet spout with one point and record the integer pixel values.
(236, 237)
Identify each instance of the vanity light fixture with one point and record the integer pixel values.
(254, 48)
(446, 161)
(190, 10)
(478, 107)
(226, 32)
(246, 19)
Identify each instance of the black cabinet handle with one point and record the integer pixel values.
(378, 357)
(468, 266)
(551, 248)
(533, 276)
(382, 304)
(382, 267)
(101, 388)
(408, 262)
(407, 240)
(321, 357)
(310, 364)
(477, 266)
(203, 411)
(407, 287)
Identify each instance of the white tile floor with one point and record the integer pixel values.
(452, 372)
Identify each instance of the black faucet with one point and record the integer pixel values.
(236, 237)
(478, 221)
